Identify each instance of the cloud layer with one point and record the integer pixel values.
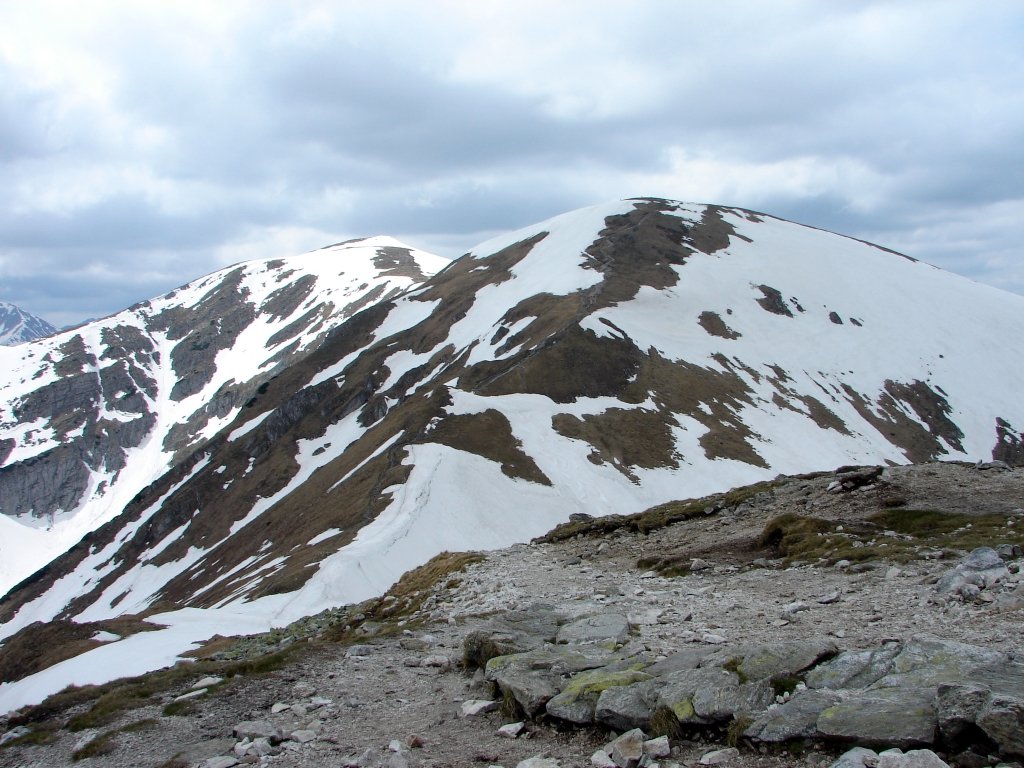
(145, 144)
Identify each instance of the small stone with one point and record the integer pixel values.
(858, 757)
(358, 651)
(303, 736)
(538, 761)
(719, 756)
(191, 695)
(697, 565)
(438, 661)
(15, 733)
(892, 572)
(394, 746)
(628, 750)
(792, 609)
(255, 729)
(474, 707)
(915, 758)
(601, 759)
(511, 730)
(658, 747)
(828, 599)
(712, 638)
(280, 707)
(208, 682)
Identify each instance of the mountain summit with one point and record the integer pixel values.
(248, 456)
(18, 326)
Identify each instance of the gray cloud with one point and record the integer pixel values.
(183, 137)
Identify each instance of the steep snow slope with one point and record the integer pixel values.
(602, 361)
(18, 326)
(90, 417)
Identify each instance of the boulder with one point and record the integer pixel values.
(796, 719)
(726, 702)
(927, 660)
(515, 632)
(679, 689)
(785, 659)
(474, 707)
(853, 669)
(609, 629)
(858, 757)
(578, 698)
(915, 758)
(719, 756)
(891, 716)
(628, 749)
(626, 707)
(258, 729)
(538, 761)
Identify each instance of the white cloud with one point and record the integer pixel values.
(189, 133)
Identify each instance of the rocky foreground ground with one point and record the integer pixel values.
(773, 626)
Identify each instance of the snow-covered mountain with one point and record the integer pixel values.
(90, 417)
(602, 361)
(18, 326)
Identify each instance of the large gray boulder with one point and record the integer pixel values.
(626, 707)
(795, 719)
(578, 698)
(904, 717)
(854, 669)
(784, 659)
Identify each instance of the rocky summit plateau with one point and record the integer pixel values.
(313, 451)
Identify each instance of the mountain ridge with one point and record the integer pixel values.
(602, 361)
(19, 327)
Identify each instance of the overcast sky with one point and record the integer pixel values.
(144, 144)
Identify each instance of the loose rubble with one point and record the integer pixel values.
(572, 653)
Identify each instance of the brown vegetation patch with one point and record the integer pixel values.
(896, 535)
(488, 434)
(637, 249)
(816, 410)
(397, 262)
(39, 646)
(1009, 444)
(681, 387)
(311, 321)
(579, 364)
(283, 302)
(456, 288)
(624, 438)
(918, 443)
(713, 323)
(658, 516)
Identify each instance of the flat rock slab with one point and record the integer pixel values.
(204, 750)
(894, 716)
(785, 659)
(796, 719)
(607, 629)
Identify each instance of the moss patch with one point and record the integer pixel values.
(97, 747)
(898, 535)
